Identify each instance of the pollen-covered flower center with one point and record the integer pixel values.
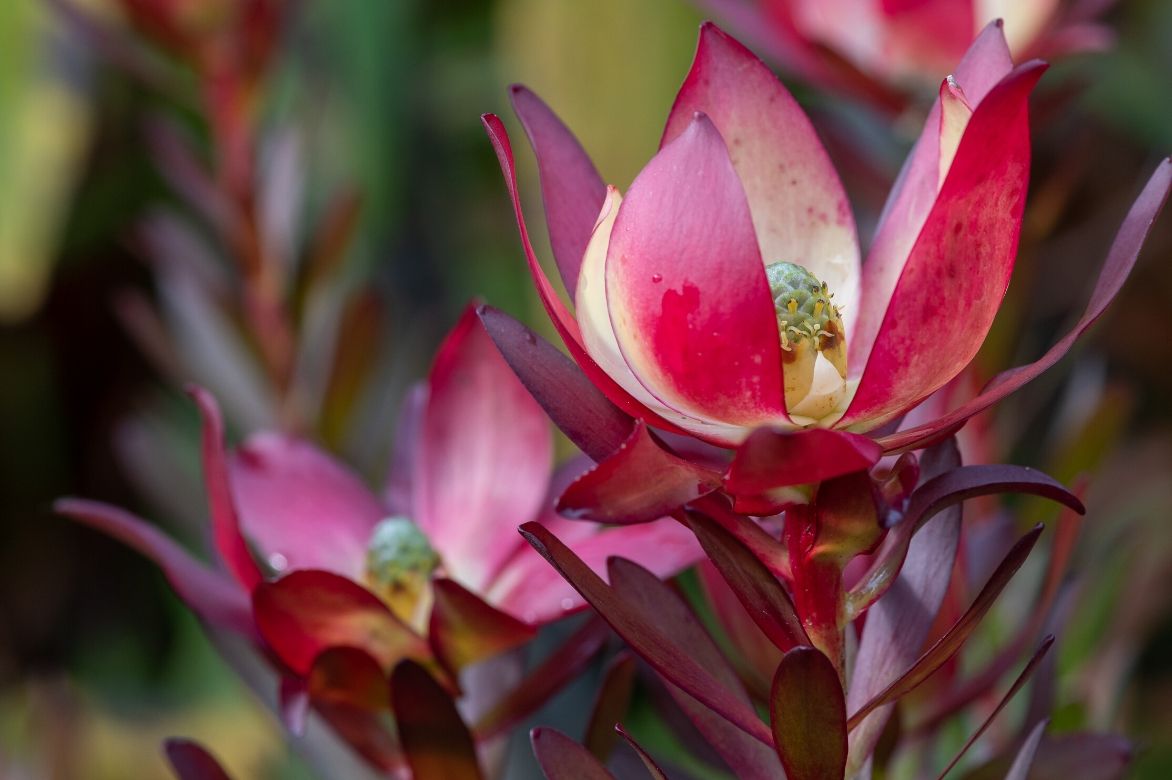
(808, 324)
(399, 564)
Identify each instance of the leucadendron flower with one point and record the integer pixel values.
(724, 296)
(724, 291)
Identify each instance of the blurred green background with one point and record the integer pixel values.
(98, 662)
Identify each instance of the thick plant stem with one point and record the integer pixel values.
(818, 594)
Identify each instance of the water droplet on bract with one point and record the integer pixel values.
(529, 337)
(567, 603)
(656, 278)
(278, 562)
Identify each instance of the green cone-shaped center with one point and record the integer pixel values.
(399, 563)
(808, 324)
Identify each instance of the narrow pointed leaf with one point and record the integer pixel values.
(1013, 689)
(663, 609)
(571, 189)
(561, 667)
(571, 400)
(898, 624)
(762, 595)
(465, 629)
(933, 496)
(808, 713)
(561, 758)
(210, 594)
(191, 761)
(640, 630)
(652, 768)
(639, 483)
(436, 743)
(951, 642)
(610, 705)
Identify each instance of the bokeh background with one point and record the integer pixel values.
(376, 105)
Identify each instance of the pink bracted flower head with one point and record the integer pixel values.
(724, 298)
(724, 292)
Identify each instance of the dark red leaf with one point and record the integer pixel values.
(762, 595)
(899, 623)
(639, 483)
(1120, 260)
(465, 629)
(562, 666)
(951, 642)
(765, 548)
(947, 489)
(808, 712)
(772, 458)
(1066, 533)
(570, 399)
(561, 758)
(210, 594)
(1013, 689)
(611, 700)
(664, 611)
(309, 611)
(640, 628)
(191, 761)
(435, 741)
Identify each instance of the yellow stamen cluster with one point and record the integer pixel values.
(808, 324)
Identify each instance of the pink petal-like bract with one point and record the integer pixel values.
(952, 283)
(799, 210)
(484, 458)
(689, 300)
(226, 533)
(300, 507)
(986, 63)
